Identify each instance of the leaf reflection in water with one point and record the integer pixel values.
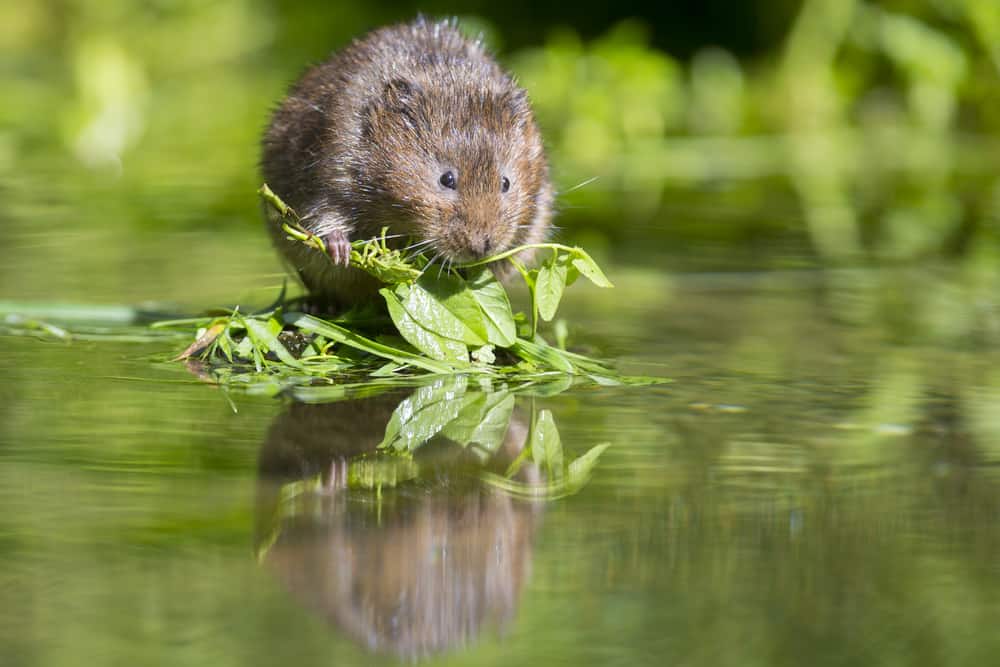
(408, 521)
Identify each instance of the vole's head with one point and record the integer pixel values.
(456, 165)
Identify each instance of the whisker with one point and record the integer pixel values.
(581, 184)
(429, 264)
(414, 246)
(379, 237)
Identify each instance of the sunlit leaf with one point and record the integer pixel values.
(543, 355)
(454, 295)
(445, 306)
(579, 470)
(349, 338)
(244, 349)
(483, 422)
(546, 447)
(589, 269)
(265, 337)
(425, 413)
(549, 287)
(426, 340)
(492, 298)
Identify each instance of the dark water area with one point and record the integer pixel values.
(819, 483)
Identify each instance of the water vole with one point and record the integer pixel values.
(414, 128)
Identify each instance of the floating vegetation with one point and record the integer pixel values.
(75, 322)
(450, 320)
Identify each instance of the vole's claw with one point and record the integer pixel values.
(339, 248)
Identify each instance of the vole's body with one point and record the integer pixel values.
(414, 128)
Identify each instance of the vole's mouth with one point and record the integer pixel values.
(456, 257)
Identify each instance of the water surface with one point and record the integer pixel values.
(818, 485)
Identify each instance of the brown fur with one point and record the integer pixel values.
(361, 142)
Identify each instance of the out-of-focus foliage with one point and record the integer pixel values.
(865, 132)
(878, 120)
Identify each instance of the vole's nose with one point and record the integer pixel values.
(480, 247)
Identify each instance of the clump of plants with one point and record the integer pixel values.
(437, 320)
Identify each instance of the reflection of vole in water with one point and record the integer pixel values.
(427, 568)
(414, 128)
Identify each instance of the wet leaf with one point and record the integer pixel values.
(424, 339)
(425, 413)
(578, 472)
(483, 421)
(546, 447)
(264, 336)
(358, 342)
(549, 286)
(543, 355)
(447, 307)
(225, 343)
(492, 299)
(244, 349)
(589, 269)
(557, 384)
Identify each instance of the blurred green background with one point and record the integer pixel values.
(760, 134)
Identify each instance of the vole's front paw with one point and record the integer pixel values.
(338, 246)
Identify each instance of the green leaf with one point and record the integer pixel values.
(544, 355)
(446, 306)
(388, 370)
(572, 273)
(424, 339)
(549, 286)
(548, 386)
(546, 447)
(226, 345)
(425, 413)
(483, 422)
(585, 264)
(346, 337)
(264, 336)
(244, 349)
(492, 299)
(579, 470)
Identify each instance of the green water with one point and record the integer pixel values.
(805, 239)
(820, 484)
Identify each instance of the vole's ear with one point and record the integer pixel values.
(519, 99)
(516, 108)
(400, 94)
(396, 104)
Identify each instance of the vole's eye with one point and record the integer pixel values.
(504, 184)
(448, 180)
